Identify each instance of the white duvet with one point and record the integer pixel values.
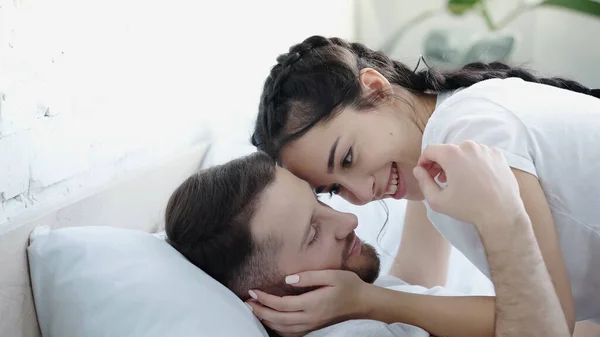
(369, 328)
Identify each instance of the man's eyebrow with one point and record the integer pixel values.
(331, 159)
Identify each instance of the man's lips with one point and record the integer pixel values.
(355, 247)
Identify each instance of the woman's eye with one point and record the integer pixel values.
(347, 159)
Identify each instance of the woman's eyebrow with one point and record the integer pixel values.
(330, 161)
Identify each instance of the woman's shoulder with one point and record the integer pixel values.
(480, 114)
(488, 92)
(477, 107)
(513, 102)
(518, 96)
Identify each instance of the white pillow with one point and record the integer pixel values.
(103, 281)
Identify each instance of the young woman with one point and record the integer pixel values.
(351, 121)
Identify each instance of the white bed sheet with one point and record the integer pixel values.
(368, 328)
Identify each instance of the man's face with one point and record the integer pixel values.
(313, 236)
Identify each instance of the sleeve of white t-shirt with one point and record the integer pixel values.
(461, 118)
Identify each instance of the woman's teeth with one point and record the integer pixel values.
(394, 183)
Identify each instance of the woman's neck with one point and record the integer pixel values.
(424, 107)
(422, 104)
(427, 102)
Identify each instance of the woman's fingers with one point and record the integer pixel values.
(285, 303)
(265, 313)
(315, 278)
(439, 154)
(442, 178)
(289, 330)
(430, 189)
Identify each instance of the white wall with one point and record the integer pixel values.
(551, 41)
(91, 90)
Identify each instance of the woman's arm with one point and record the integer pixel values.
(423, 255)
(461, 316)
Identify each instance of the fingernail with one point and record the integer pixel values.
(249, 307)
(292, 279)
(252, 294)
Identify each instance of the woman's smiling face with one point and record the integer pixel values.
(362, 155)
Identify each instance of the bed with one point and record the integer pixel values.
(134, 201)
(137, 200)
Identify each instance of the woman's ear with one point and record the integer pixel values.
(371, 81)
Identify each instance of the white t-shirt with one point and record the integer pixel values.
(551, 133)
(371, 328)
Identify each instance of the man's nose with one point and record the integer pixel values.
(346, 224)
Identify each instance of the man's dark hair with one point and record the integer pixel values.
(208, 221)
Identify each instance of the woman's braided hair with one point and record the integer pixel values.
(320, 75)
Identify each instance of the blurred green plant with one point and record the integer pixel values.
(460, 7)
(453, 48)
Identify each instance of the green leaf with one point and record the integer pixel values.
(460, 7)
(490, 49)
(589, 7)
(446, 46)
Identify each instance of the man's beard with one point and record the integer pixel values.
(368, 264)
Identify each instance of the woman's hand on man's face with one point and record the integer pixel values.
(340, 297)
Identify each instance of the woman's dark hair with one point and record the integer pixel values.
(321, 75)
(208, 221)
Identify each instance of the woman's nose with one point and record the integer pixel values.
(359, 193)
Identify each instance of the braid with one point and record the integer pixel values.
(320, 75)
(435, 81)
(394, 71)
(273, 121)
